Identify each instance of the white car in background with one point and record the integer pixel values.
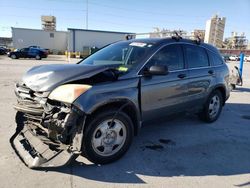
(247, 58)
(234, 58)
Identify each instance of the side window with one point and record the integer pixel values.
(196, 56)
(170, 56)
(33, 50)
(214, 59)
(25, 50)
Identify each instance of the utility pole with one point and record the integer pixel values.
(87, 14)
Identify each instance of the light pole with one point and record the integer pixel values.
(87, 14)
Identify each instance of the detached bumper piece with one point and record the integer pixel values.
(35, 153)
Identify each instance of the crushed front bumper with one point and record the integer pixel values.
(36, 153)
(48, 134)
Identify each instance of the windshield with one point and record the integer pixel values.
(126, 54)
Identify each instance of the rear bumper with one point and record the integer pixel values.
(35, 153)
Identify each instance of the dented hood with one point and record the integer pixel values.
(48, 77)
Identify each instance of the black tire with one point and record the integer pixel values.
(207, 114)
(94, 154)
(13, 56)
(38, 57)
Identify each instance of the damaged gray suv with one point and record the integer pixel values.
(95, 107)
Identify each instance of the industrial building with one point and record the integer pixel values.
(163, 33)
(73, 40)
(53, 40)
(6, 42)
(79, 39)
(215, 31)
(198, 33)
(236, 41)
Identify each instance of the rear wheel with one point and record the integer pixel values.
(212, 107)
(107, 138)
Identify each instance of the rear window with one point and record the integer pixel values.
(214, 59)
(196, 56)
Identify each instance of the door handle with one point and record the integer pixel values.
(182, 76)
(211, 72)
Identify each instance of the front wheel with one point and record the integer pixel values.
(13, 56)
(107, 137)
(38, 57)
(212, 107)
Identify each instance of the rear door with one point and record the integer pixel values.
(33, 52)
(200, 74)
(165, 94)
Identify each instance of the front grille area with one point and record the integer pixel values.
(33, 111)
(27, 102)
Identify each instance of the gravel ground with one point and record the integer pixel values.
(181, 152)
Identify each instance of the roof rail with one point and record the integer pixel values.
(176, 35)
(160, 34)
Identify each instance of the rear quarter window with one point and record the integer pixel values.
(215, 59)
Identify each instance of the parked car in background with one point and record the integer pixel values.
(34, 47)
(28, 53)
(3, 50)
(247, 58)
(225, 57)
(234, 58)
(95, 107)
(45, 49)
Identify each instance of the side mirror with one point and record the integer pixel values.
(158, 70)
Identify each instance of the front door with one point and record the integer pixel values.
(165, 94)
(24, 52)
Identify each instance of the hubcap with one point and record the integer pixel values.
(109, 137)
(214, 106)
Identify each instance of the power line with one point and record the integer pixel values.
(80, 10)
(129, 18)
(141, 11)
(122, 24)
(38, 18)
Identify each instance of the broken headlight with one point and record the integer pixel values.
(69, 92)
